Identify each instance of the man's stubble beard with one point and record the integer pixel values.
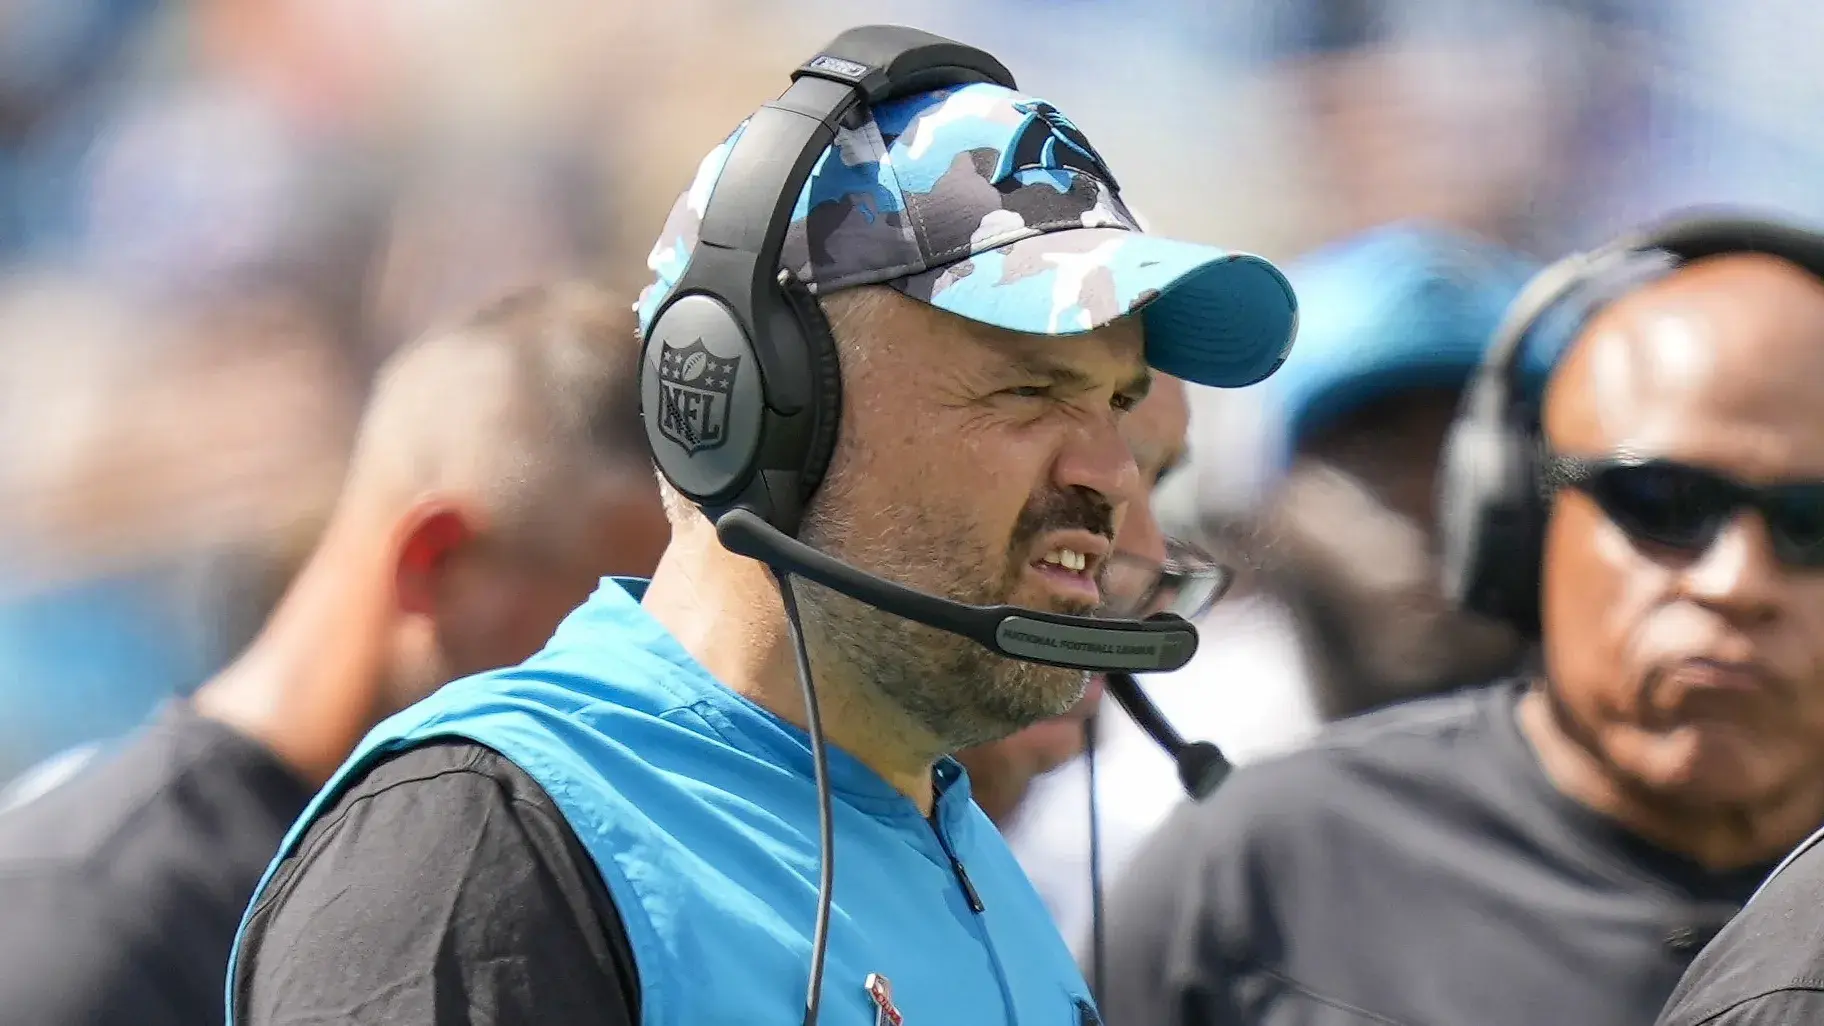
(958, 691)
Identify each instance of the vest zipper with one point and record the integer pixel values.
(956, 866)
(974, 898)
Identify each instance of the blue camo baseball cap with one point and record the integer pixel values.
(992, 205)
(1402, 307)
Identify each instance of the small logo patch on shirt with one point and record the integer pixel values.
(881, 990)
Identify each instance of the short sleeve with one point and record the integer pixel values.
(442, 888)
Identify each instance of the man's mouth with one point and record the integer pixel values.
(1702, 674)
(1069, 568)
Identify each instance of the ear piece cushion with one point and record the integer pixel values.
(1489, 517)
(1471, 483)
(1508, 577)
(825, 366)
(1488, 505)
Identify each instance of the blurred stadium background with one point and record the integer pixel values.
(217, 215)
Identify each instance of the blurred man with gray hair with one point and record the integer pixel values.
(500, 472)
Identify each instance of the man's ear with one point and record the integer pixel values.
(432, 534)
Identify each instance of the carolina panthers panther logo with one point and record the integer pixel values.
(1049, 141)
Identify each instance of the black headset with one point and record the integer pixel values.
(751, 450)
(1491, 512)
(784, 393)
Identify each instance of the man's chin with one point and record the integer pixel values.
(1069, 689)
(1048, 602)
(1711, 763)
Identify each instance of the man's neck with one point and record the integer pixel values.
(1720, 839)
(312, 683)
(726, 612)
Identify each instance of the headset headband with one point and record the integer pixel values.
(1628, 263)
(742, 233)
(1489, 510)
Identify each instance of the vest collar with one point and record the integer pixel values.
(616, 607)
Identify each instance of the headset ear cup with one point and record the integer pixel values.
(1492, 513)
(1462, 492)
(825, 367)
(1527, 565)
(1488, 515)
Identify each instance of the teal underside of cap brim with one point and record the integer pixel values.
(1213, 318)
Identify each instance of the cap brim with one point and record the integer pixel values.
(1212, 317)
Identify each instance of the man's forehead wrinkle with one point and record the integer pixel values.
(1073, 360)
(916, 333)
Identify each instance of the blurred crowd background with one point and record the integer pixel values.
(216, 216)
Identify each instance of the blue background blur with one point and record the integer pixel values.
(216, 216)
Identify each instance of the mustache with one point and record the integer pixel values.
(1075, 509)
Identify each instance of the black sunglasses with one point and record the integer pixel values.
(1188, 583)
(1685, 507)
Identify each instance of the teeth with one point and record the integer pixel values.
(1069, 559)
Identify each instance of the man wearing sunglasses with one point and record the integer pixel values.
(1558, 849)
(1146, 573)
(1754, 705)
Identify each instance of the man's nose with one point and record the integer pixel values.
(1098, 459)
(1739, 574)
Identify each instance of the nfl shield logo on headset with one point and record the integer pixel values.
(694, 389)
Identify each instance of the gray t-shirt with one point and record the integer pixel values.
(1413, 866)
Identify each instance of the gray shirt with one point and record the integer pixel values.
(1413, 866)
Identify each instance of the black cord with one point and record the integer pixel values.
(826, 827)
(1097, 949)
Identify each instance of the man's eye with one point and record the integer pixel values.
(1029, 391)
(1125, 403)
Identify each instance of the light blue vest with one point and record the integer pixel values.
(700, 811)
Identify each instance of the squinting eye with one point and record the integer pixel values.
(1029, 391)
(1125, 403)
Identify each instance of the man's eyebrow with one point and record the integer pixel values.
(1040, 365)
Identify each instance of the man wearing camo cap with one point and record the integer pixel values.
(627, 830)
